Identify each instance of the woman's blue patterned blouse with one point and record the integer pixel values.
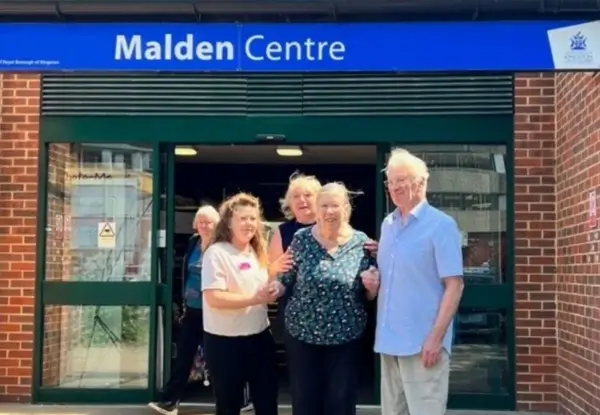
(327, 306)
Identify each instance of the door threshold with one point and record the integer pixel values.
(281, 406)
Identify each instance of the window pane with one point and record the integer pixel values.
(479, 357)
(469, 184)
(96, 347)
(99, 212)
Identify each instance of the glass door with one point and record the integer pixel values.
(470, 183)
(97, 302)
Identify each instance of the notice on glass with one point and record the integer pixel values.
(107, 237)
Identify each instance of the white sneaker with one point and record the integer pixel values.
(165, 408)
(247, 408)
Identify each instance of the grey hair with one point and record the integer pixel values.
(208, 211)
(339, 188)
(403, 158)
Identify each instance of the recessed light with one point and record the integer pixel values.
(185, 151)
(289, 151)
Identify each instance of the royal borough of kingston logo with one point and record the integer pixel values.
(578, 50)
(578, 42)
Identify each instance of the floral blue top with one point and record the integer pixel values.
(327, 306)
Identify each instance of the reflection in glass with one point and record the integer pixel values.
(91, 186)
(479, 357)
(469, 183)
(96, 347)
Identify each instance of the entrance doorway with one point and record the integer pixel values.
(215, 172)
(108, 299)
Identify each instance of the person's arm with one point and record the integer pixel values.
(214, 284)
(275, 246)
(367, 262)
(448, 259)
(370, 296)
(185, 264)
(274, 253)
(289, 278)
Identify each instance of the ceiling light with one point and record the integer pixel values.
(289, 151)
(185, 151)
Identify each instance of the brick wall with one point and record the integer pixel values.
(578, 273)
(19, 125)
(535, 245)
(557, 160)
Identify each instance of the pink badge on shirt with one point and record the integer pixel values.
(244, 266)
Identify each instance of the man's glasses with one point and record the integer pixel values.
(401, 181)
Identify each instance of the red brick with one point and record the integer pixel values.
(578, 306)
(558, 169)
(19, 138)
(535, 245)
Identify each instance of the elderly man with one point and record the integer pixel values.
(420, 264)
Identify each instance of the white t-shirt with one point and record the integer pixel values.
(226, 268)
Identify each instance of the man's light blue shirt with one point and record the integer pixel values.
(413, 260)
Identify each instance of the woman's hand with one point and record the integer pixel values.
(370, 279)
(282, 264)
(268, 293)
(276, 288)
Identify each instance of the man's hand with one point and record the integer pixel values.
(372, 246)
(370, 279)
(432, 351)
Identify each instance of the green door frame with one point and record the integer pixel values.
(78, 293)
(165, 131)
(166, 288)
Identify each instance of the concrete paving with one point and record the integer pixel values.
(21, 409)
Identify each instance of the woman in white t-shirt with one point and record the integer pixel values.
(238, 343)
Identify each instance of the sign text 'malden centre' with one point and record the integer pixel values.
(255, 48)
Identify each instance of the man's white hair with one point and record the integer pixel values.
(401, 158)
(208, 211)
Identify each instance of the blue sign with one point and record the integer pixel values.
(402, 47)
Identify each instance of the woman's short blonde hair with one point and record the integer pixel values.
(208, 211)
(298, 181)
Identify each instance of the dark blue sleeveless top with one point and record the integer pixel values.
(287, 230)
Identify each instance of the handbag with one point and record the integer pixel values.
(199, 372)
